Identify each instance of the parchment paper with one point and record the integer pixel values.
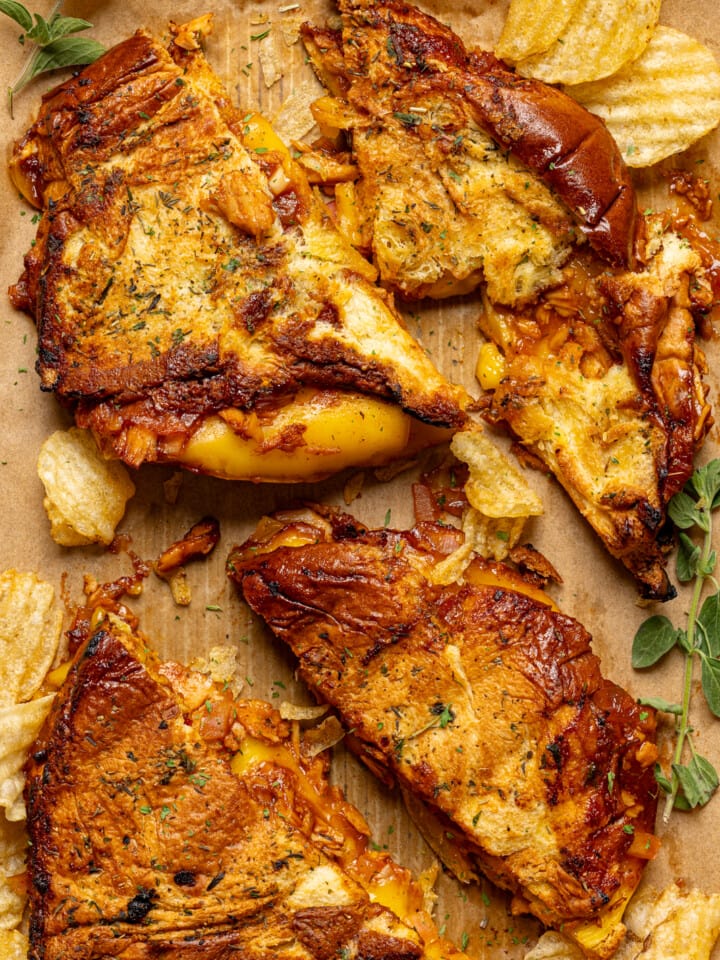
(595, 588)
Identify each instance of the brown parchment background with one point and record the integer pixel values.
(595, 588)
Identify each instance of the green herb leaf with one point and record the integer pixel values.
(62, 26)
(683, 641)
(54, 47)
(662, 780)
(692, 784)
(706, 482)
(654, 638)
(408, 119)
(710, 675)
(709, 623)
(40, 31)
(67, 52)
(659, 703)
(17, 12)
(688, 558)
(698, 780)
(683, 511)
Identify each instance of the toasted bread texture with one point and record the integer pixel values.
(470, 173)
(485, 704)
(185, 272)
(471, 176)
(169, 820)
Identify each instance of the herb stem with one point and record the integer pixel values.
(683, 728)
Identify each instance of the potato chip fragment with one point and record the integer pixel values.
(496, 488)
(297, 711)
(500, 502)
(13, 945)
(660, 103)
(221, 664)
(272, 55)
(30, 628)
(675, 923)
(293, 120)
(599, 38)
(532, 27)
(13, 844)
(317, 739)
(85, 493)
(554, 946)
(672, 924)
(19, 726)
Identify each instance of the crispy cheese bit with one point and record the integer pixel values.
(199, 541)
(85, 495)
(316, 435)
(189, 36)
(30, 628)
(57, 677)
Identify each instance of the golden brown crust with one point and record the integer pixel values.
(486, 704)
(396, 57)
(603, 382)
(145, 843)
(182, 268)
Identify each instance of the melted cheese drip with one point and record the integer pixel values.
(339, 431)
(388, 891)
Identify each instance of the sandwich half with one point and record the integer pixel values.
(472, 177)
(169, 819)
(193, 299)
(480, 700)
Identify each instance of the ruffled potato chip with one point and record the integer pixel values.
(500, 501)
(30, 628)
(496, 487)
(675, 923)
(598, 39)
(532, 27)
(660, 925)
(85, 493)
(13, 945)
(19, 726)
(660, 103)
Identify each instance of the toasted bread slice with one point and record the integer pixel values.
(481, 701)
(602, 383)
(169, 820)
(194, 301)
(469, 173)
(471, 176)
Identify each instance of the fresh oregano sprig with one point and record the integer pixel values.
(692, 783)
(53, 41)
